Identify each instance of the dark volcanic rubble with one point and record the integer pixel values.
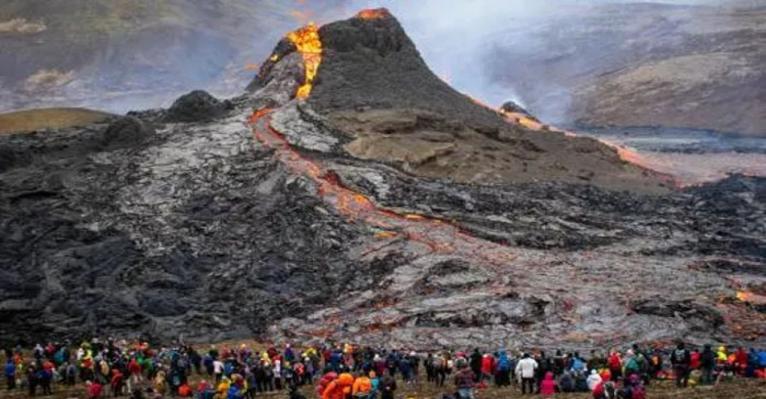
(386, 207)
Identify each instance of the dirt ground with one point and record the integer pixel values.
(737, 389)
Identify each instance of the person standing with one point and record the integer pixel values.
(680, 359)
(707, 364)
(525, 369)
(10, 373)
(387, 386)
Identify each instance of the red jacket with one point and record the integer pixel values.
(614, 362)
(134, 367)
(742, 358)
(488, 364)
(694, 360)
(94, 390)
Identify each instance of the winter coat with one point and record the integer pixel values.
(548, 386)
(593, 380)
(695, 360)
(488, 364)
(464, 378)
(525, 368)
(707, 358)
(10, 370)
(337, 388)
(566, 383)
(387, 387)
(361, 385)
(503, 363)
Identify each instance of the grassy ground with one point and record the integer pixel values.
(738, 389)
(48, 118)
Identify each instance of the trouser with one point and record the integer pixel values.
(682, 376)
(11, 382)
(502, 379)
(465, 393)
(527, 382)
(441, 375)
(707, 375)
(46, 387)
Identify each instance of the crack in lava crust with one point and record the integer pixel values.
(433, 235)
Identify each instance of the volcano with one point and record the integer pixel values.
(351, 194)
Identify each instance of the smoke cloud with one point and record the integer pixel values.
(534, 53)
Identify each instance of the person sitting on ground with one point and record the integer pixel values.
(593, 379)
(548, 386)
(464, 380)
(633, 388)
(566, 382)
(362, 387)
(94, 389)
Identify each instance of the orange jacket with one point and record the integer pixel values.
(361, 385)
(336, 389)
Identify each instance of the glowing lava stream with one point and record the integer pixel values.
(438, 236)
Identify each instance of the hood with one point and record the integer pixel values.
(345, 379)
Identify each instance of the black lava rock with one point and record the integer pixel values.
(128, 131)
(510, 106)
(197, 106)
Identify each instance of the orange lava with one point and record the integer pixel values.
(308, 43)
(376, 13)
(433, 235)
(750, 297)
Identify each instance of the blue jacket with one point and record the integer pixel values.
(10, 369)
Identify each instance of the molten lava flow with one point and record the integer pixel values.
(429, 234)
(751, 297)
(376, 13)
(307, 41)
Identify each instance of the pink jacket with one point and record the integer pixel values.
(548, 386)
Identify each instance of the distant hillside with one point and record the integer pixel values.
(120, 55)
(48, 118)
(641, 65)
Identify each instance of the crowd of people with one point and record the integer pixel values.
(118, 368)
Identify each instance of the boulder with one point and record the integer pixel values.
(197, 106)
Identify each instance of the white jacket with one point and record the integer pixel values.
(526, 368)
(593, 379)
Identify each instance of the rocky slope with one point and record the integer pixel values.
(274, 223)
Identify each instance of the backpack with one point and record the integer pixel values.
(578, 365)
(681, 356)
